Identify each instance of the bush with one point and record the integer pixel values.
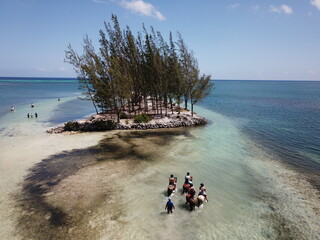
(123, 115)
(142, 118)
(72, 126)
(103, 125)
(110, 125)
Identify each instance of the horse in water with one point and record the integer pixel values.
(192, 203)
(170, 190)
(185, 188)
(172, 185)
(200, 199)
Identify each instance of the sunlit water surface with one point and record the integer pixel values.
(241, 156)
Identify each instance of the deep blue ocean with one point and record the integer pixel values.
(283, 116)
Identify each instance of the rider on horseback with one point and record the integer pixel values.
(191, 193)
(203, 192)
(187, 178)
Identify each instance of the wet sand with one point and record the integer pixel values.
(19, 155)
(75, 194)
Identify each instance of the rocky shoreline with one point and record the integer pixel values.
(101, 122)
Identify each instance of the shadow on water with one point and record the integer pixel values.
(40, 220)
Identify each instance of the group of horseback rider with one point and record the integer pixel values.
(189, 189)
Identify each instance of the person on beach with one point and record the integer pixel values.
(169, 206)
(12, 109)
(28, 115)
(36, 114)
(32, 105)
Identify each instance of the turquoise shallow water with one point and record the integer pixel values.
(21, 92)
(251, 195)
(258, 132)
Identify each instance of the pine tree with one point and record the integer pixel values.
(127, 70)
(201, 90)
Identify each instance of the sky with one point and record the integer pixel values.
(247, 39)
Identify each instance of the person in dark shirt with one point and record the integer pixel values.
(169, 206)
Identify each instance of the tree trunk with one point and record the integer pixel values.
(152, 104)
(129, 107)
(171, 104)
(192, 109)
(185, 103)
(118, 116)
(145, 104)
(139, 106)
(95, 107)
(161, 107)
(166, 105)
(133, 109)
(157, 105)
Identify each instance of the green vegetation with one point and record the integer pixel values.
(72, 126)
(128, 69)
(103, 125)
(99, 125)
(142, 118)
(123, 115)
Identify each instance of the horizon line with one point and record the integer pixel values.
(217, 79)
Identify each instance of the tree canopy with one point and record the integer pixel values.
(127, 70)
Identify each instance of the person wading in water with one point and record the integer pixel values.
(169, 206)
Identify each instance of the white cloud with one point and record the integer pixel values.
(61, 69)
(143, 8)
(41, 69)
(137, 6)
(234, 6)
(286, 9)
(315, 3)
(256, 8)
(282, 9)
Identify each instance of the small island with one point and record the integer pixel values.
(106, 121)
(137, 82)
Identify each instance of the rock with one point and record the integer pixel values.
(48, 194)
(95, 122)
(47, 216)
